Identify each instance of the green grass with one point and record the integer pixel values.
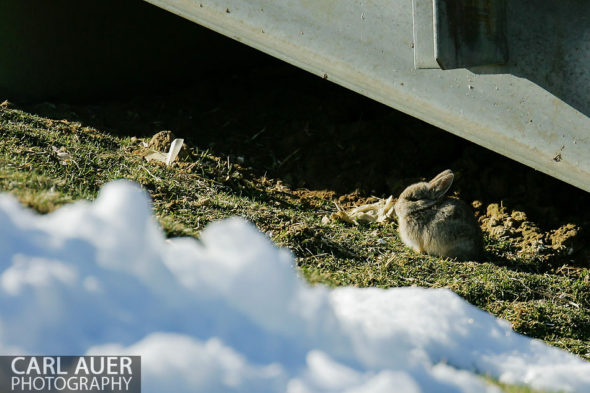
(506, 388)
(554, 307)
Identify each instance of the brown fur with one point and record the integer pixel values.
(435, 224)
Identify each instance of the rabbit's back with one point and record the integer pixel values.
(453, 231)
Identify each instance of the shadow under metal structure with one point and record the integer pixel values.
(86, 50)
(511, 76)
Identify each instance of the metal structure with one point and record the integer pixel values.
(526, 93)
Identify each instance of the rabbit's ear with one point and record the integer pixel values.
(441, 183)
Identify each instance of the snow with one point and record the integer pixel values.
(229, 312)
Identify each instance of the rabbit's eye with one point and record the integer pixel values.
(412, 199)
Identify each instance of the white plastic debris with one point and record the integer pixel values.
(62, 155)
(166, 158)
(174, 150)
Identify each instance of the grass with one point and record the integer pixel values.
(554, 307)
(507, 388)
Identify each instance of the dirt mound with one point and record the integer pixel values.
(161, 141)
(502, 223)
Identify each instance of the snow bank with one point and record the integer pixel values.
(229, 313)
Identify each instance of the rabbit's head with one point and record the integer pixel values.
(422, 195)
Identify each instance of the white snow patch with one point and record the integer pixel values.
(229, 313)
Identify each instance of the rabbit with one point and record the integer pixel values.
(432, 223)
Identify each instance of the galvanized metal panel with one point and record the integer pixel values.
(423, 20)
(535, 109)
(469, 33)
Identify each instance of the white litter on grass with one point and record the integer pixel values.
(229, 313)
(175, 147)
(62, 154)
(166, 158)
(380, 211)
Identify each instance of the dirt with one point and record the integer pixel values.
(526, 236)
(161, 141)
(327, 143)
